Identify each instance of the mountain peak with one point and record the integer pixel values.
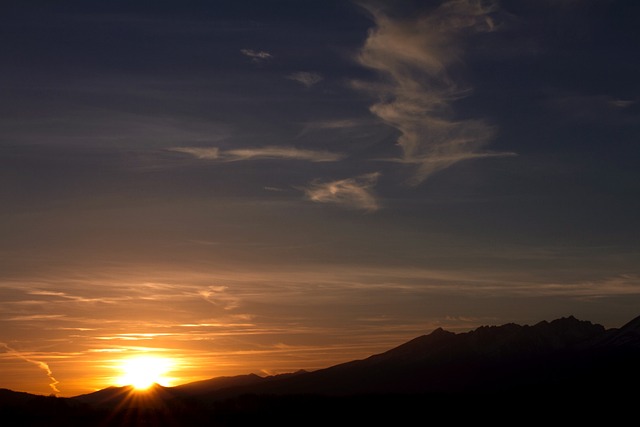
(633, 325)
(566, 320)
(626, 336)
(439, 332)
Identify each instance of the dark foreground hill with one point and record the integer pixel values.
(565, 368)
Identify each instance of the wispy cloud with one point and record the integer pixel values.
(42, 365)
(30, 317)
(621, 103)
(283, 153)
(416, 56)
(596, 108)
(256, 55)
(333, 125)
(306, 78)
(355, 192)
(200, 153)
(219, 296)
(270, 152)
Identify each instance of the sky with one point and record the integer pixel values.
(265, 186)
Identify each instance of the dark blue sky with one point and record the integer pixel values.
(329, 177)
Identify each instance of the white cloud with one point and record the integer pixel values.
(355, 192)
(269, 152)
(306, 78)
(255, 55)
(415, 57)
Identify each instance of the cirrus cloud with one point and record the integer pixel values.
(276, 152)
(306, 78)
(356, 193)
(256, 55)
(209, 153)
(269, 152)
(414, 57)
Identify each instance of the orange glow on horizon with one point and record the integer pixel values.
(142, 372)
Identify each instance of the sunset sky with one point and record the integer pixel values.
(262, 186)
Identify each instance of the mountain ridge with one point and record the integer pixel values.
(509, 362)
(489, 358)
(534, 369)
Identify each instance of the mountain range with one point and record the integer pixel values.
(542, 366)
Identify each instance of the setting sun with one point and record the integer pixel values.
(144, 371)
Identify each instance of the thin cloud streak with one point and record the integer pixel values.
(355, 192)
(208, 153)
(283, 153)
(269, 152)
(596, 109)
(415, 56)
(256, 55)
(26, 317)
(334, 125)
(38, 363)
(219, 296)
(306, 78)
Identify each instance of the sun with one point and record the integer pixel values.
(143, 371)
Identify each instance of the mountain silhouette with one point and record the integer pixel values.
(487, 359)
(540, 366)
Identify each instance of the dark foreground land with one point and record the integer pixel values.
(562, 371)
(311, 410)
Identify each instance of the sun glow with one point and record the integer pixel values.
(144, 371)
